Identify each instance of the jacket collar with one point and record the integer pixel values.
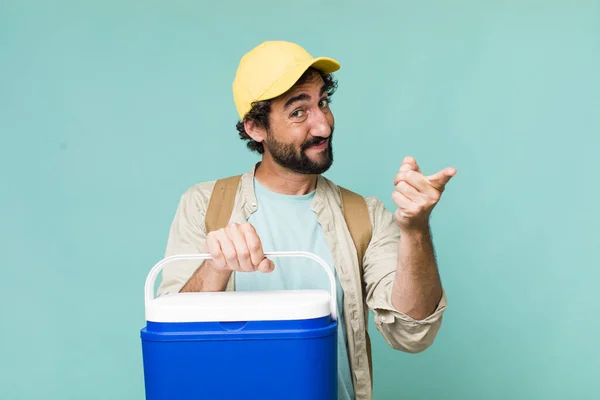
(250, 203)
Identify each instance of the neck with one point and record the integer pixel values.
(280, 180)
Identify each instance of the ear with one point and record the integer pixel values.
(255, 131)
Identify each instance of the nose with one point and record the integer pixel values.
(320, 126)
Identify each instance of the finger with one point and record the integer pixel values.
(400, 176)
(239, 241)
(406, 207)
(228, 249)
(441, 178)
(402, 201)
(266, 266)
(405, 167)
(215, 251)
(254, 244)
(410, 192)
(412, 164)
(421, 184)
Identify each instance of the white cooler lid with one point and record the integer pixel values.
(239, 306)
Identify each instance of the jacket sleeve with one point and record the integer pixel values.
(400, 331)
(186, 236)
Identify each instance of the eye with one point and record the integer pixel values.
(297, 113)
(324, 102)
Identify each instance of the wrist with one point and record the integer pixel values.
(417, 230)
(211, 270)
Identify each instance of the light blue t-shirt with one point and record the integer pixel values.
(287, 223)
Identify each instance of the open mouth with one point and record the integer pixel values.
(322, 144)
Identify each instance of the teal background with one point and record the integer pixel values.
(110, 110)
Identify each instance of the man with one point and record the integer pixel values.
(282, 95)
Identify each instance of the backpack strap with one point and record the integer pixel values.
(221, 202)
(220, 207)
(358, 220)
(356, 214)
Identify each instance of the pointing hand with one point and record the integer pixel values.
(416, 195)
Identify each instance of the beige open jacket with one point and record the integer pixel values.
(187, 235)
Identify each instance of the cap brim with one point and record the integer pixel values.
(325, 64)
(287, 80)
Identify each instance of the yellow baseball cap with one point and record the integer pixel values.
(272, 68)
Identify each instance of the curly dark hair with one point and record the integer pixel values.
(259, 113)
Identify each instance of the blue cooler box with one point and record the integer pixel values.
(263, 345)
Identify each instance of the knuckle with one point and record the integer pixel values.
(247, 226)
(232, 227)
(247, 229)
(220, 233)
(229, 255)
(415, 210)
(254, 246)
(243, 255)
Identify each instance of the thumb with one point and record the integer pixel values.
(441, 178)
(409, 163)
(266, 266)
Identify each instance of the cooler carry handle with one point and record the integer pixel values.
(153, 274)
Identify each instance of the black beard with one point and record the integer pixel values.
(287, 156)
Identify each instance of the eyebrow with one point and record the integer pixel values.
(300, 97)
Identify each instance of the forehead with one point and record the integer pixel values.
(310, 83)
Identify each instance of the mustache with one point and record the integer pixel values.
(316, 141)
